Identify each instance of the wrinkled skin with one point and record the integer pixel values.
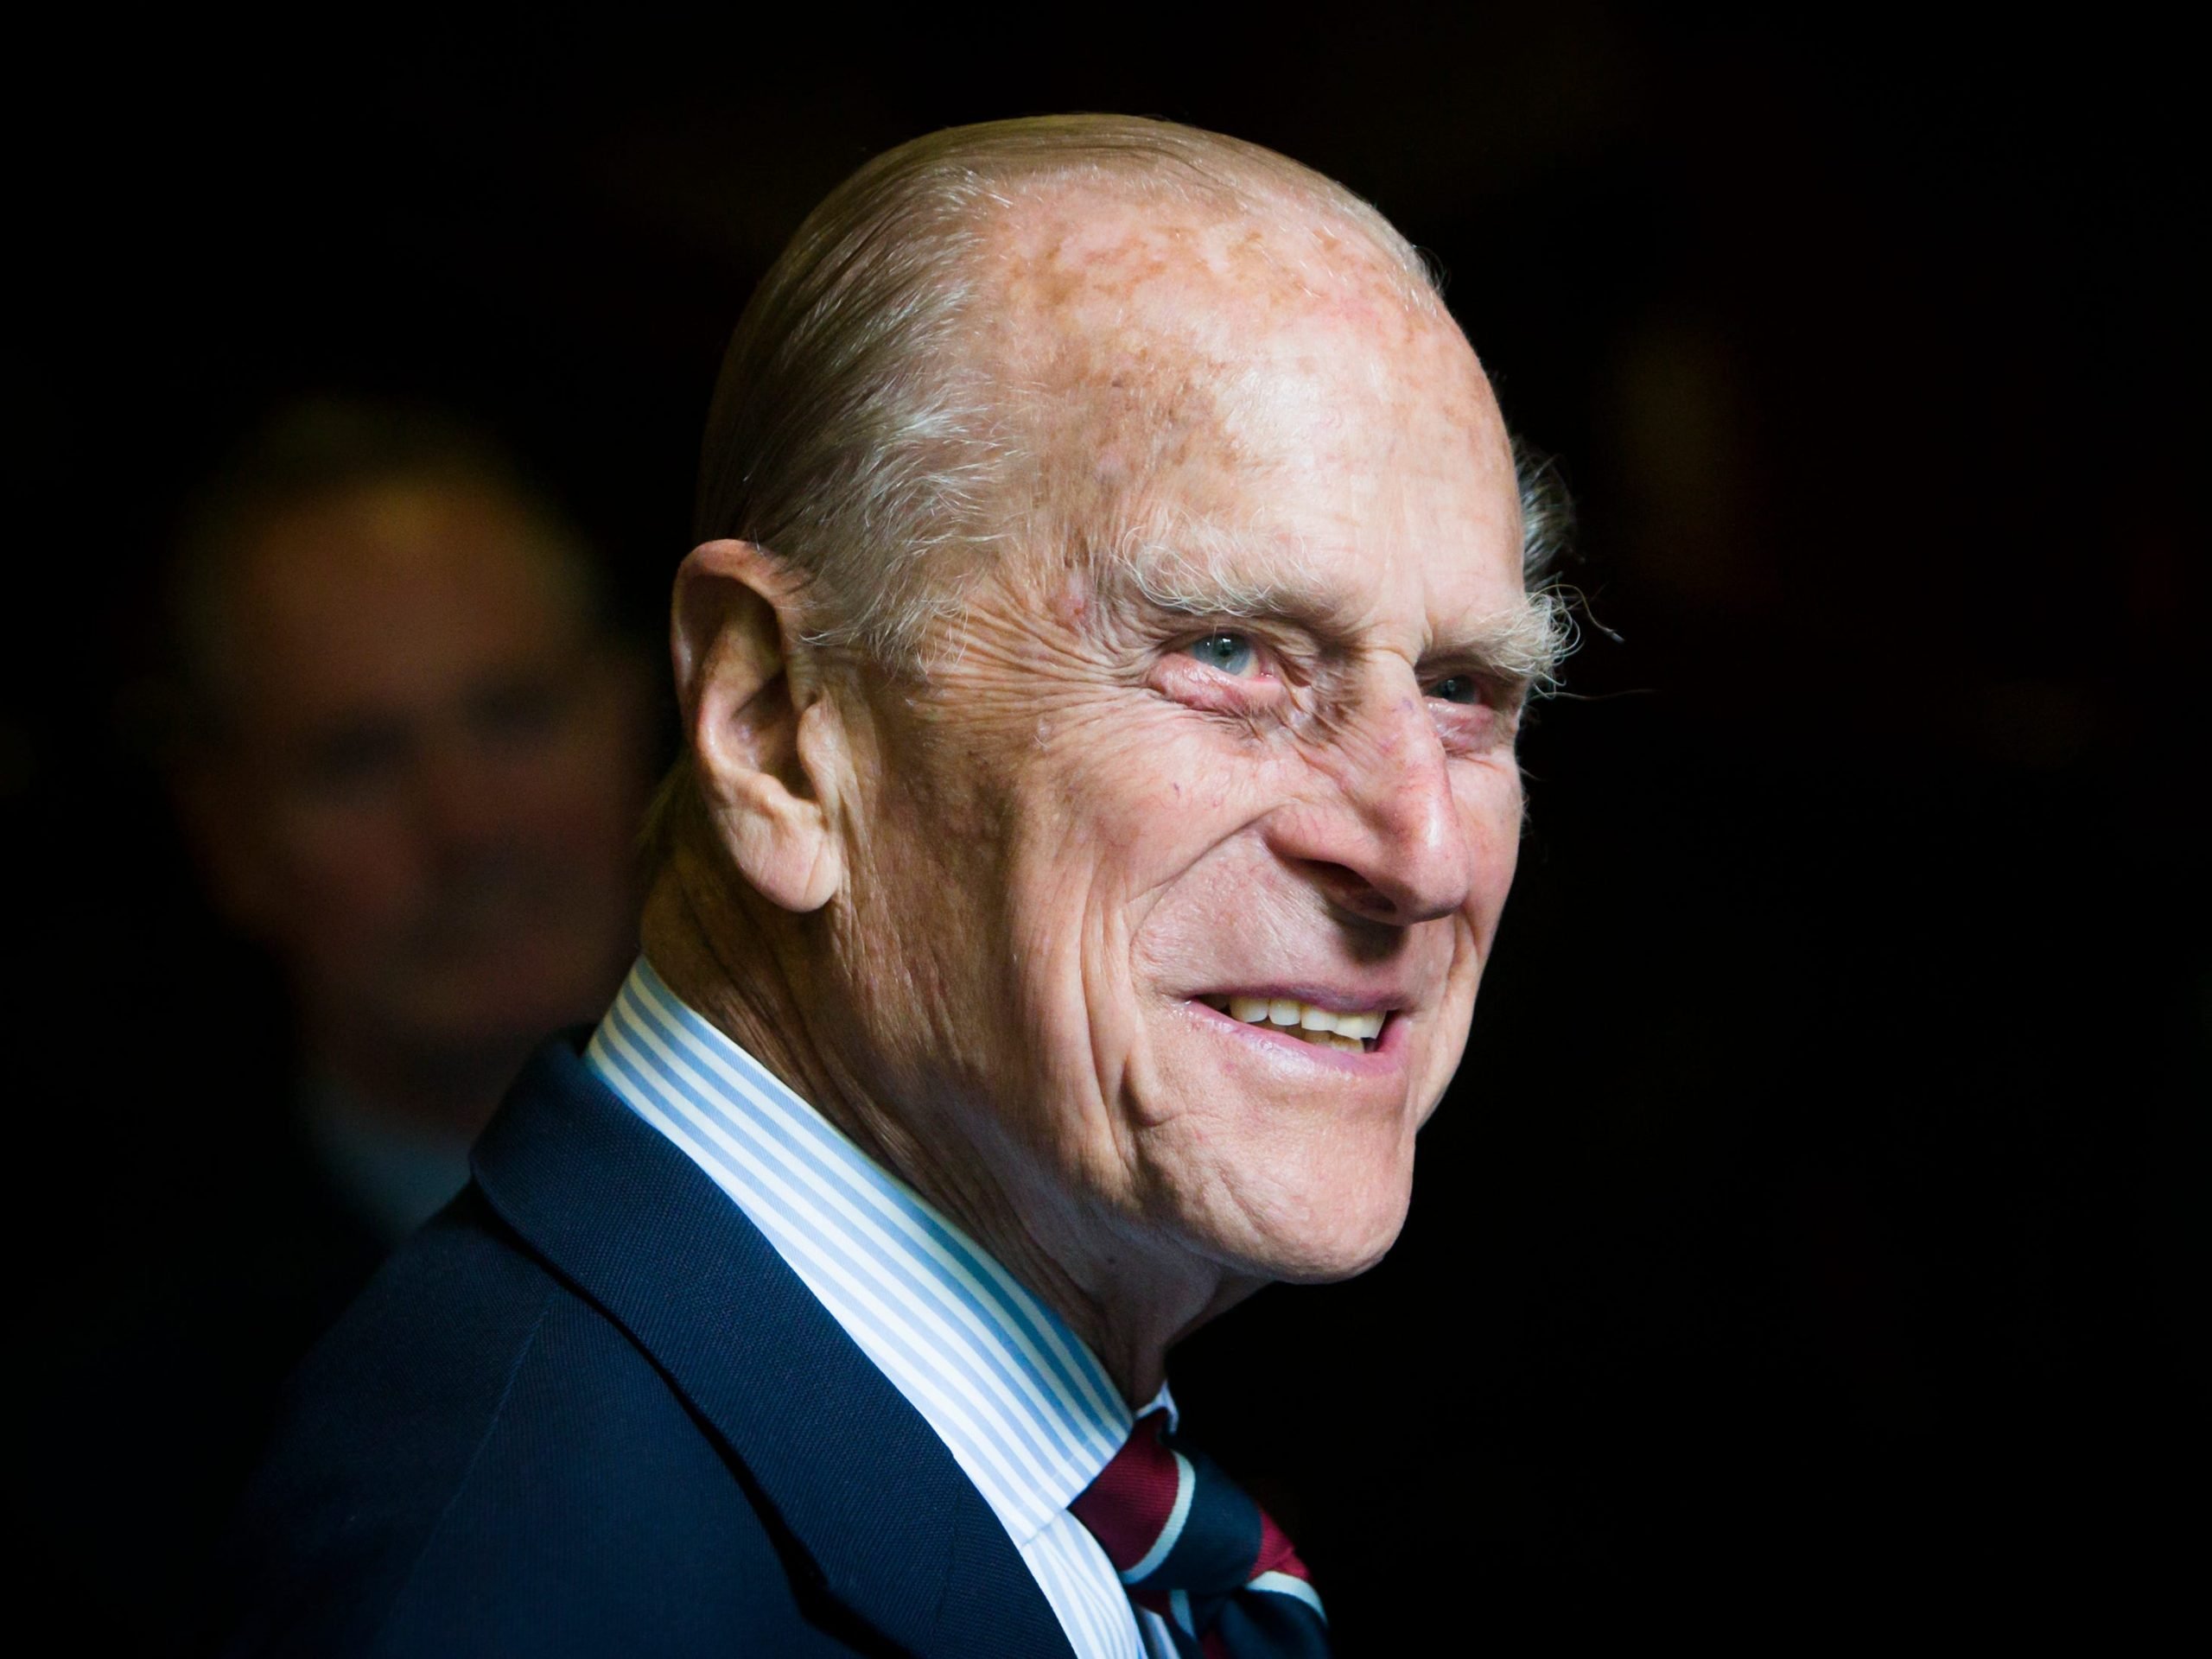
(1232, 713)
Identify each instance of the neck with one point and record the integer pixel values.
(1128, 1294)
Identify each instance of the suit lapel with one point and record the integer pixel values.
(897, 1531)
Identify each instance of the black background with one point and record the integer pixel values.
(1809, 1232)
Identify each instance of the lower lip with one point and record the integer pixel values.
(1388, 1055)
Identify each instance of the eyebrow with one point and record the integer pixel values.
(1193, 576)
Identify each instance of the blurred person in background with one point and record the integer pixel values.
(408, 758)
(1100, 665)
(411, 770)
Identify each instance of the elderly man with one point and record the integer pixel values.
(1100, 672)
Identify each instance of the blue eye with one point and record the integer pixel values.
(1460, 688)
(1228, 654)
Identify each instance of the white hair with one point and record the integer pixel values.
(852, 435)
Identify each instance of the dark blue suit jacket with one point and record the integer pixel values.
(588, 1410)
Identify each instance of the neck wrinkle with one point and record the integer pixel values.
(710, 947)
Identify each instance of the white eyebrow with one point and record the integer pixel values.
(1203, 571)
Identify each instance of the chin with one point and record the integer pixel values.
(1324, 1262)
(1321, 1230)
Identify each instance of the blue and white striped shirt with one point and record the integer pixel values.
(1023, 1406)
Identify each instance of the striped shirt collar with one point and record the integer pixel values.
(1024, 1407)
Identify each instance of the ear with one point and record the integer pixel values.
(767, 748)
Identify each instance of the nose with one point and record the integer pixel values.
(459, 798)
(1386, 840)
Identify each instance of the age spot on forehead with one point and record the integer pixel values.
(1186, 375)
(1140, 332)
(1202, 272)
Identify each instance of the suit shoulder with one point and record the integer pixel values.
(475, 1458)
(377, 1430)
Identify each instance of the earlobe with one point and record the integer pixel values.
(765, 753)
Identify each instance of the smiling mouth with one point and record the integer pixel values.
(1353, 1033)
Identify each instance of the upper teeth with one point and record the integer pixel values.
(1304, 1016)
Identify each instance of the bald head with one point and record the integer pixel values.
(1181, 351)
(868, 427)
(1041, 315)
(1183, 517)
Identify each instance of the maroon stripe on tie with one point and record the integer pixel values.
(1130, 1502)
(1276, 1554)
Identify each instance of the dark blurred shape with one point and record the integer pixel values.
(410, 768)
(409, 759)
(1819, 1219)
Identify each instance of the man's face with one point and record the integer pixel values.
(1228, 727)
(425, 803)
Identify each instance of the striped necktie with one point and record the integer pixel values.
(1194, 1548)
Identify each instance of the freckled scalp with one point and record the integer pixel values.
(1137, 339)
(872, 425)
(841, 385)
(1146, 347)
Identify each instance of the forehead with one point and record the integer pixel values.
(385, 593)
(1272, 381)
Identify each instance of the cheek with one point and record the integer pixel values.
(1114, 823)
(1144, 823)
(1491, 809)
(575, 804)
(1232, 913)
(1165, 786)
(347, 870)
